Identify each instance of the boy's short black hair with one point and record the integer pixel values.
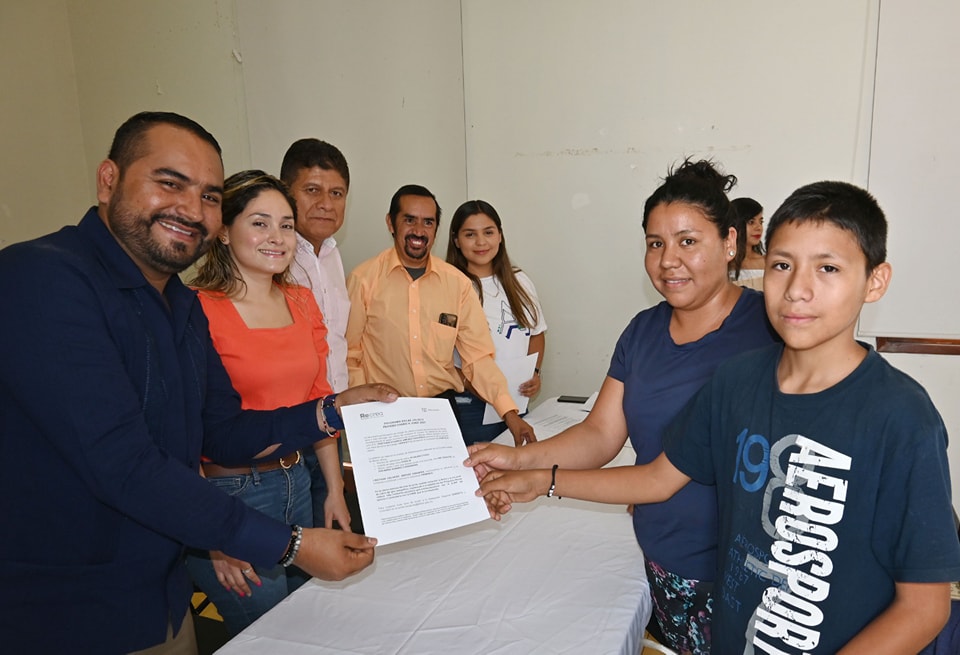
(310, 153)
(842, 204)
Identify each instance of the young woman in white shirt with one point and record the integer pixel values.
(478, 248)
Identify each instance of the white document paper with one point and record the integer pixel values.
(549, 426)
(517, 371)
(408, 466)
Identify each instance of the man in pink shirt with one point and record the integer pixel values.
(319, 179)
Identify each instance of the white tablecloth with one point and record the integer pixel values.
(554, 576)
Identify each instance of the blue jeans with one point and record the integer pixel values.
(318, 485)
(282, 494)
(469, 411)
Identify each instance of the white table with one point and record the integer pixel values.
(554, 576)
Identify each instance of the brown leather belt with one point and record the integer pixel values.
(212, 470)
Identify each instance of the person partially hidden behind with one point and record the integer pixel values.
(409, 310)
(836, 530)
(746, 269)
(110, 390)
(319, 179)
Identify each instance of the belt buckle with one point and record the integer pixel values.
(285, 466)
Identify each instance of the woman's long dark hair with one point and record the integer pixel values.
(521, 304)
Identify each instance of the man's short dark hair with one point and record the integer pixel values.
(128, 141)
(842, 204)
(410, 190)
(310, 153)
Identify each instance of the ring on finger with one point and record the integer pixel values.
(247, 570)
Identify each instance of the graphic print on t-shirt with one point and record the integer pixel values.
(804, 490)
(508, 324)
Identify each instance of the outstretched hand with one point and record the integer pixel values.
(486, 457)
(334, 554)
(500, 489)
(521, 430)
(366, 393)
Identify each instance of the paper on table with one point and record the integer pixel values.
(548, 426)
(408, 466)
(591, 401)
(517, 371)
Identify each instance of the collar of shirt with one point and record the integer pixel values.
(393, 261)
(326, 247)
(115, 259)
(127, 275)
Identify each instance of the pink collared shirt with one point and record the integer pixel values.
(323, 275)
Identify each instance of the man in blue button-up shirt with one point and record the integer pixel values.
(110, 390)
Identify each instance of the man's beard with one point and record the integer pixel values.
(134, 232)
(412, 254)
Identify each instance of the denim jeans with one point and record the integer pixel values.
(318, 486)
(469, 411)
(283, 494)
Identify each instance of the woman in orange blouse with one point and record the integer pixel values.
(272, 340)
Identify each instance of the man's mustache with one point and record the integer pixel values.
(173, 218)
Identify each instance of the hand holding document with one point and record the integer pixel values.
(408, 465)
(517, 371)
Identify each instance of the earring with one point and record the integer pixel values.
(223, 240)
(732, 253)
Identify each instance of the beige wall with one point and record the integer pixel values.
(73, 70)
(380, 80)
(175, 55)
(570, 130)
(43, 173)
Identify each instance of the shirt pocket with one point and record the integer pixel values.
(443, 338)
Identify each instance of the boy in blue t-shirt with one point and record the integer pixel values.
(836, 530)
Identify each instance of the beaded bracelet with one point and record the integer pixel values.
(295, 538)
(553, 482)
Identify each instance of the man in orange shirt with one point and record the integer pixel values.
(409, 310)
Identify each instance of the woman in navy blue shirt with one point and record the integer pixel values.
(664, 356)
